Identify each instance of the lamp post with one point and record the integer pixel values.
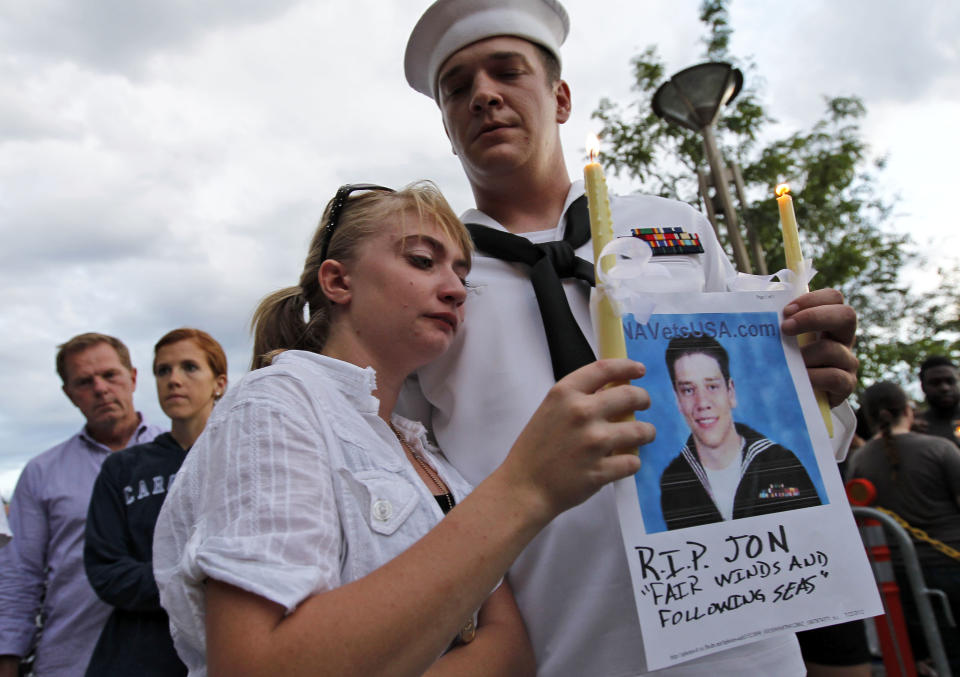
(692, 98)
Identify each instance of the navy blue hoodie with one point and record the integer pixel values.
(118, 556)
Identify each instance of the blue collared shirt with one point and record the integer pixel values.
(47, 517)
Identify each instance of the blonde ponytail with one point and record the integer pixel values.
(279, 324)
(298, 318)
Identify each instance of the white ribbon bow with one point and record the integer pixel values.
(634, 277)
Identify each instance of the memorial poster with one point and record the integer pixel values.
(737, 526)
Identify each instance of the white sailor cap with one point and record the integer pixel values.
(450, 25)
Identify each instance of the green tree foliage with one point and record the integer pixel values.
(846, 223)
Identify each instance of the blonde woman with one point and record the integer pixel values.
(317, 532)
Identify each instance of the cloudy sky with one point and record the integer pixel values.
(163, 163)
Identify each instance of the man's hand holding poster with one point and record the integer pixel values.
(737, 526)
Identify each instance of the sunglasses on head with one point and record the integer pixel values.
(336, 209)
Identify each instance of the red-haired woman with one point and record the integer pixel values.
(191, 372)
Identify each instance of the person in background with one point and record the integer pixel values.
(938, 379)
(916, 476)
(191, 372)
(313, 531)
(41, 570)
(493, 69)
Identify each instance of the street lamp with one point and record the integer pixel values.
(692, 98)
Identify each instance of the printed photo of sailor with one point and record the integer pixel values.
(731, 438)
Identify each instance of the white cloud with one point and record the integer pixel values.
(164, 163)
(113, 35)
(8, 481)
(881, 51)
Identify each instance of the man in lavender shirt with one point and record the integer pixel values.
(41, 569)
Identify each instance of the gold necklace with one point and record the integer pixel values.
(469, 629)
(434, 477)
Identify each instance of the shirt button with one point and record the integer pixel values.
(382, 509)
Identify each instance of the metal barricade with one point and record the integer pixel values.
(879, 554)
(891, 627)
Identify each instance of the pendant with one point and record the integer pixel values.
(468, 632)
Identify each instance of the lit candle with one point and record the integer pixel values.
(608, 324)
(794, 256)
(788, 224)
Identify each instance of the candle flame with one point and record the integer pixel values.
(782, 189)
(593, 146)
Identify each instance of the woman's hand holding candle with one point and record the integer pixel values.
(608, 324)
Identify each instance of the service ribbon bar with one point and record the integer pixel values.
(669, 241)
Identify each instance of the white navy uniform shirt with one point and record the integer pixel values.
(572, 582)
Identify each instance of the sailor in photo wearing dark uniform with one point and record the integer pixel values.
(726, 470)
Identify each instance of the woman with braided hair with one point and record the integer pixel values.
(917, 477)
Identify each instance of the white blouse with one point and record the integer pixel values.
(295, 487)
